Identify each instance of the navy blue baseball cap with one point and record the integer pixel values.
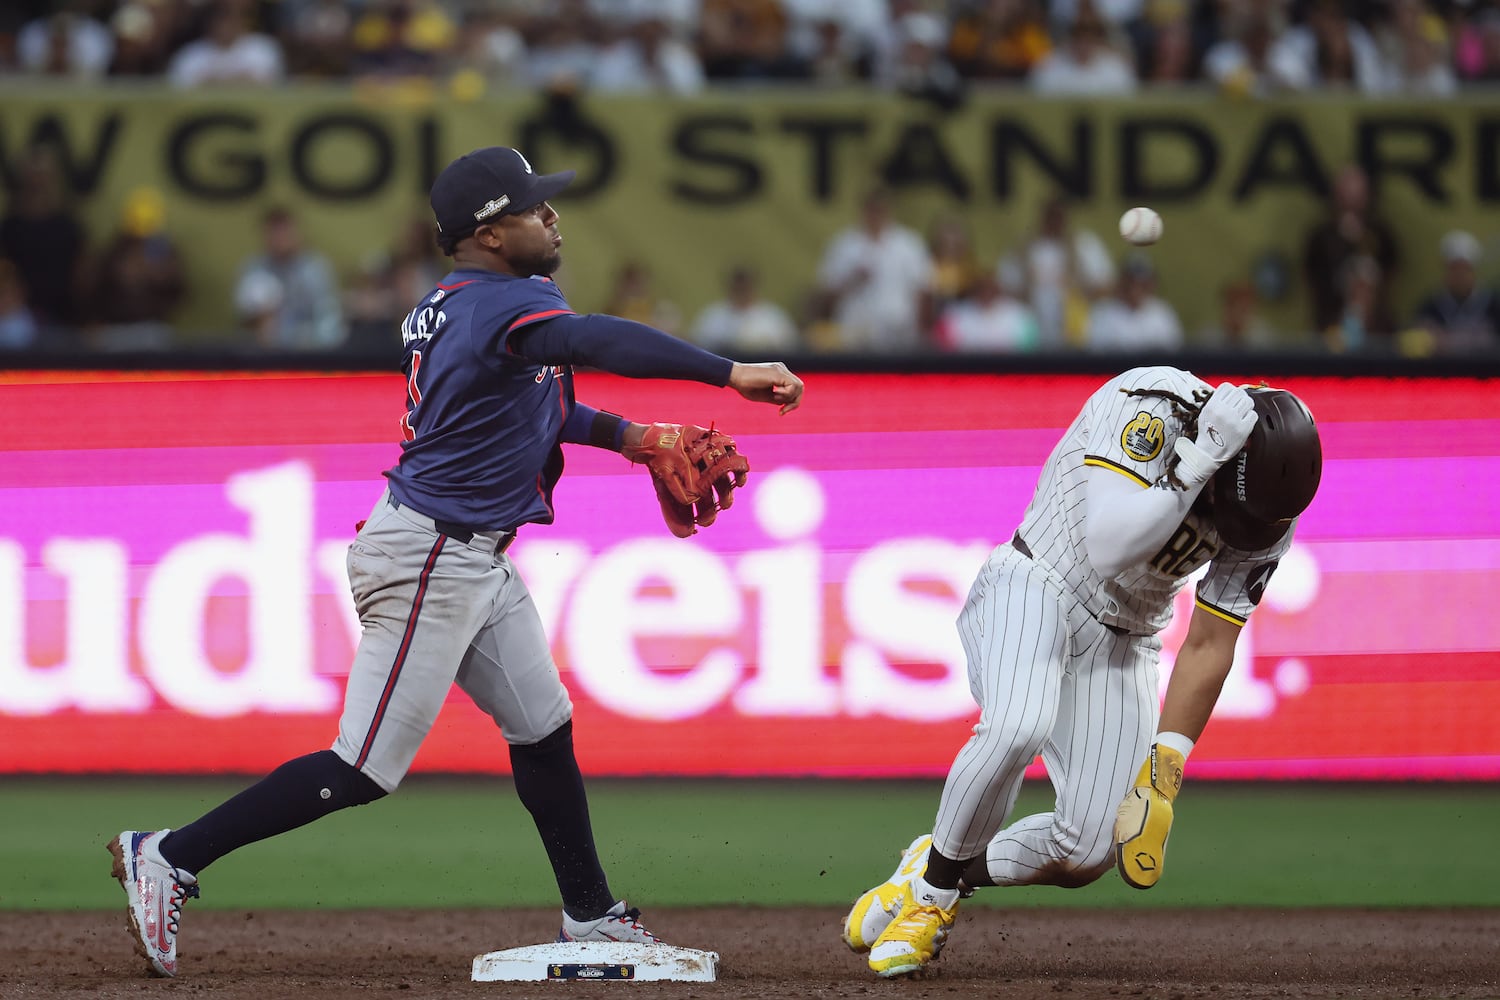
(487, 184)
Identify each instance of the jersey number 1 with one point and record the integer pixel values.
(414, 395)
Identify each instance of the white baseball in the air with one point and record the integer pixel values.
(1140, 226)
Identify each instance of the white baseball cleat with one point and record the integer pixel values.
(617, 924)
(155, 891)
(873, 911)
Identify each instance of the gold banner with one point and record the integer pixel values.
(692, 187)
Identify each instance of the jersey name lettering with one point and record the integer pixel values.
(1184, 552)
(422, 323)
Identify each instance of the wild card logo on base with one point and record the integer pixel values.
(1143, 437)
(596, 971)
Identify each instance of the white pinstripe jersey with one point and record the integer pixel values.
(1133, 435)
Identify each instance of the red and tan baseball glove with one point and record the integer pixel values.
(695, 469)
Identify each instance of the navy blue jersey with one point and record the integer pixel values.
(483, 425)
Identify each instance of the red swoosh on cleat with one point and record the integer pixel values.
(162, 944)
(156, 924)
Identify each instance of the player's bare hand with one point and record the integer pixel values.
(767, 382)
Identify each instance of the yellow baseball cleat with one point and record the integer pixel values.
(874, 911)
(917, 934)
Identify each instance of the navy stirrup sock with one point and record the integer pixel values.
(551, 788)
(293, 795)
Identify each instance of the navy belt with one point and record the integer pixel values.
(462, 534)
(1020, 546)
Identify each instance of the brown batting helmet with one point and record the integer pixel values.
(1260, 491)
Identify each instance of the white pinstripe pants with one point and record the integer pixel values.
(1049, 679)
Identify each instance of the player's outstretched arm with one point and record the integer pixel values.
(767, 382)
(1144, 818)
(639, 351)
(695, 469)
(617, 345)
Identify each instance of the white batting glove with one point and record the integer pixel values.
(1224, 424)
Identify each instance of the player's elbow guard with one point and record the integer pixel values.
(1144, 819)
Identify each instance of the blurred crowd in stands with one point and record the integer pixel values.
(935, 48)
(885, 288)
(881, 286)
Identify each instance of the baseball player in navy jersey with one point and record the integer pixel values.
(1158, 475)
(488, 359)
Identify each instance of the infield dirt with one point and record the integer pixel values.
(769, 953)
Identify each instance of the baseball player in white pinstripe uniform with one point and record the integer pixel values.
(1158, 475)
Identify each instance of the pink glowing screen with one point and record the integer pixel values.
(172, 549)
